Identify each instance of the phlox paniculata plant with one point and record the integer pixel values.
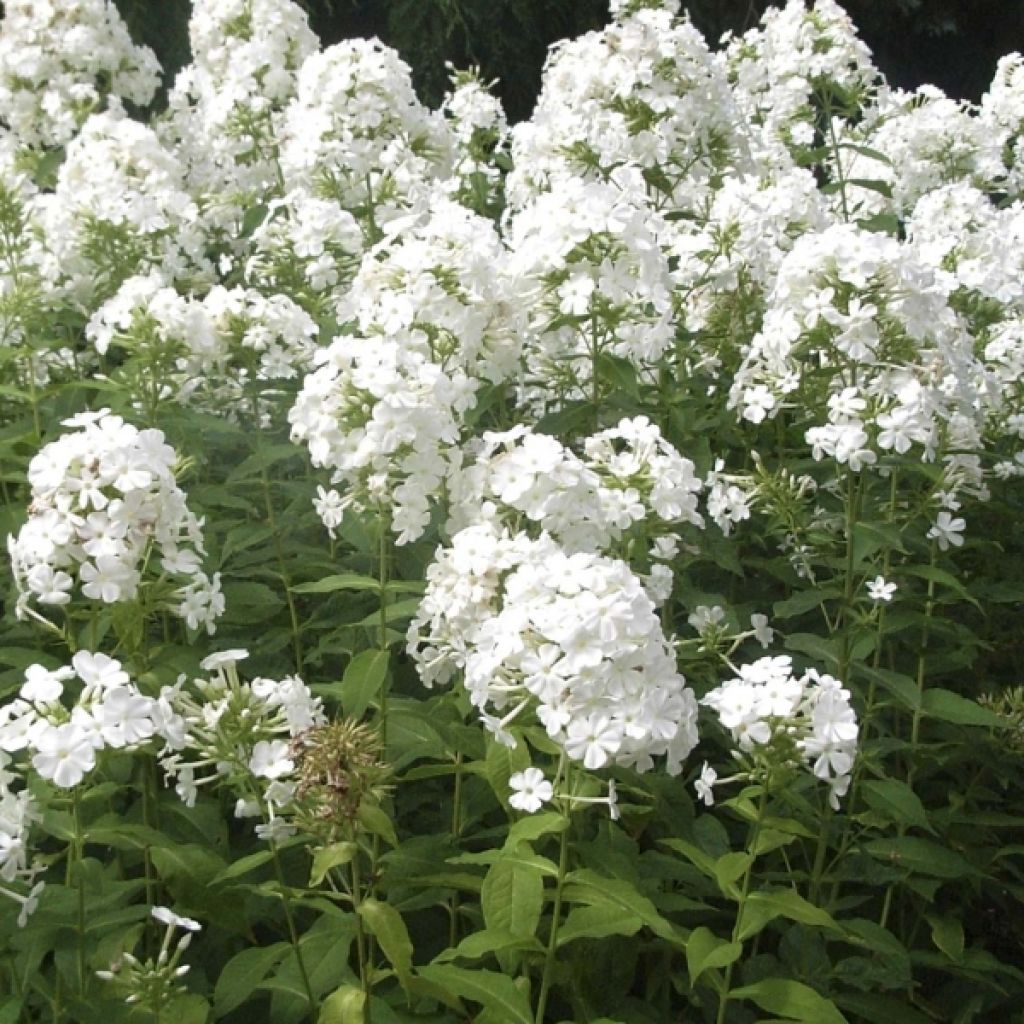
(435, 317)
(224, 730)
(569, 640)
(356, 133)
(107, 517)
(228, 352)
(59, 63)
(643, 95)
(780, 720)
(226, 107)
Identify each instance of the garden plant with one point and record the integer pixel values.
(561, 572)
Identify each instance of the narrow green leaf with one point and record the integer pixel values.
(377, 823)
(332, 856)
(705, 950)
(804, 601)
(897, 801)
(765, 905)
(951, 707)
(536, 825)
(391, 934)
(585, 886)
(921, 856)
(343, 581)
(242, 973)
(729, 868)
(512, 897)
(481, 944)
(345, 1005)
(598, 922)
(362, 681)
(243, 866)
(792, 1000)
(495, 992)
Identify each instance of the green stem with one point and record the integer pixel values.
(363, 948)
(78, 844)
(453, 909)
(283, 571)
(755, 833)
(550, 956)
(915, 726)
(293, 934)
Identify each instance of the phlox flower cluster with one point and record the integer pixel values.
(781, 70)
(645, 94)
(929, 141)
(628, 477)
(64, 718)
(479, 132)
(120, 207)
(221, 729)
(433, 317)
(216, 351)
(858, 309)
(569, 640)
(60, 59)
(777, 718)
(19, 811)
(305, 248)
(225, 108)
(1002, 110)
(598, 280)
(356, 133)
(105, 506)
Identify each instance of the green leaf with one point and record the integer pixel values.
(512, 897)
(501, 763)
(897, 801)
(377, 823)
(951, 707)
(343, 581)
(948, 935)
(934, 574)
(804, 601)
(391, 934)
(705, 950)
(729, 868)
(585, 886)
(481, 944)
(345, 1005)
(498, 994)
(881, 1009)
(901, 686)
(186, 1009)
(792, 1000)
(242, 973)
(598, 922)
(921, 856)
(243, 866)
(331, 856)
(536, 825)
(362, 681)
(767, 904)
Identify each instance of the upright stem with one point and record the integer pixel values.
(292, 932)
(556, 909)
(363, 948)
(78, 845)
(283, 571)
(755, 833)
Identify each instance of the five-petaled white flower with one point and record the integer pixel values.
(530, 790)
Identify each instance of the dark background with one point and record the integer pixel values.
(951, 43)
